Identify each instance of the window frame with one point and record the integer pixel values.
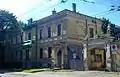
(29, 36)
(49, 32)
(91, 30)
(41, 53)
(40, 34)
(59, 29)
(96, 57)
(49, 52)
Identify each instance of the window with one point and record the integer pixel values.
(92, 52)
(40, 34)
(59, 30)
(41, 53)
(16, 54)
(12, 55)
(27, 55)
(21, 55)
(118, 37)
(49, 52)
(29, 36)
(16, 40)
(49, 32)
(91, 32)
(21, 38)
(98, 57)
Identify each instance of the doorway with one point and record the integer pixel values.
(59, 58)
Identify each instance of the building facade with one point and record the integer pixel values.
(13, 49)
(57, 41)
(58, 37)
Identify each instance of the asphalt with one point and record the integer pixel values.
(63, 74)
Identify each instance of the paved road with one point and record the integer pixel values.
(63, 74)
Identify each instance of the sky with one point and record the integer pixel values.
(37, 9)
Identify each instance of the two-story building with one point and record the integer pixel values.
(59, 40)
(60, 36)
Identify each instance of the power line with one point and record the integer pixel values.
(109, 13)
(62, 1)
(28, 11)
(94, 2)
(113, 9)
(101, 13)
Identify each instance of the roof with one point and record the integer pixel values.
(58, 14)
(64, 12)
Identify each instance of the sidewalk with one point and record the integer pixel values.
(19, 73)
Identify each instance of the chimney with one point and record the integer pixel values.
(74, 7)
(53, 12)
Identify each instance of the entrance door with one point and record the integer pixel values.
(59, 58)
(98, 59)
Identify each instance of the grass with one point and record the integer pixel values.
(37, 70)
(45, 70)
(118, 73)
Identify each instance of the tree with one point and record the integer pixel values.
(112, 30)
(8, 23)
(105, 24)
(22, 24)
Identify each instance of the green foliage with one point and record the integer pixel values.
(105, 23)
(8, 23)
(45, 70)
(22, 24)
(37, 70)
(7, 20)
(116, 42)
(112, 30)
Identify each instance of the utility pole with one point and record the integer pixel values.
(111, 55)
(86, 47)
(95, 27)
(95, 23)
